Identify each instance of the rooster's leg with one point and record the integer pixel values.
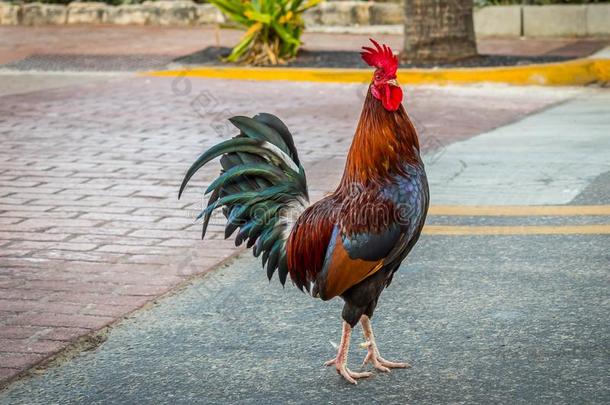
(340, 361)
(373, 355)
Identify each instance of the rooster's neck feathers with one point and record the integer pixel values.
(383, 143)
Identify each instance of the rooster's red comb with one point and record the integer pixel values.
(381, 57)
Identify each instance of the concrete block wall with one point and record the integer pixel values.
(598, 19)
(565, 20)
(492, 21)
(498, 21)
(164, 13)
(555, 20)
(10, 14)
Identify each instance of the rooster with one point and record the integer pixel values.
(350, 243)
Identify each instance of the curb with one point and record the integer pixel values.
(576, 72)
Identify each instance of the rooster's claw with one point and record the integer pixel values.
(346, 373)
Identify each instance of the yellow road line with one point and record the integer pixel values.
(519, 210)
(570, 73)
(517, 230)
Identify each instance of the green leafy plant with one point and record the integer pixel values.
(273, 29)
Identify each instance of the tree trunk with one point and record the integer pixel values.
(438, 31)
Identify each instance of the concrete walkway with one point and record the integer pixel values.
(503, 319)
(544, 159)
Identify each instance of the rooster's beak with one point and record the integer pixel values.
(393, 82)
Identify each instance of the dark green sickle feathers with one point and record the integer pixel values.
(261, 182)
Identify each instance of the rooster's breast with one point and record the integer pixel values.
(410, 195)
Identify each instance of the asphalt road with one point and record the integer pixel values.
(482, 319)
(501, 319)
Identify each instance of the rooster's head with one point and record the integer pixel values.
(384, 86)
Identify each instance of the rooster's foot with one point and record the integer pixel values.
(379, 362)
(340, 361)
(373, 355)
(346, 373)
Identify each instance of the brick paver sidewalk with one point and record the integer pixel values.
(90, 225)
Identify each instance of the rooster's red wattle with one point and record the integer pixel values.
(348, 244)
